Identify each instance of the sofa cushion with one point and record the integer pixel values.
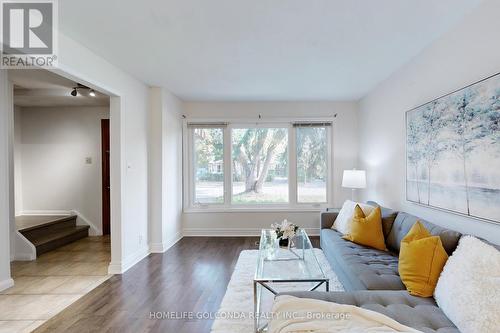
(421, 260)
(343, 220)
(359, 267)
(388, 217)
(420, 313)
(405, 221)
(468, 290)
(366, 229)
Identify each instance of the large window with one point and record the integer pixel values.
(282, 165)
(260, 165)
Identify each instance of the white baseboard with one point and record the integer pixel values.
(23, 257)
(233, 232)
(47, 212)
(122, 266)
(163, 247)
(7, 283)
(94, 230)
(157, 248)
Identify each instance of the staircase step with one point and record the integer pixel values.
(57, 238)
(48, 226)
(33, 222)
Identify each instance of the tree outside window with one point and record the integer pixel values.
(209, 165)
(260, 165)
(312, 166)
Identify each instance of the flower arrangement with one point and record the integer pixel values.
(284, 231)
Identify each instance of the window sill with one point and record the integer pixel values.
(254, 210)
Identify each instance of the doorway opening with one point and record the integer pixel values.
(61, 152)
(106, 183)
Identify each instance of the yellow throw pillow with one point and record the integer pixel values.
(367, 230)
(421, 260)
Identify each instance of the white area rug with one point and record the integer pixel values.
(238, 300)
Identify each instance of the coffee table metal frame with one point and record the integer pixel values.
(264, 282)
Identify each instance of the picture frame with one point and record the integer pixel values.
(453, 151)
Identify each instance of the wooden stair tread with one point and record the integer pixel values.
(61, 233)
(51, 220)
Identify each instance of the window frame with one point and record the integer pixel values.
(191, 168)
(329, 166)
(189, 204)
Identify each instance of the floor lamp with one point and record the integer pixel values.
(354, 179)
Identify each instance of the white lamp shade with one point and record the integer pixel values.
(354, 179)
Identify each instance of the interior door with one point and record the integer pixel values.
(106, 215)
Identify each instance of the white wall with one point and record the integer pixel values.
(129, 107)
(129, 120)
(20, 247)
(5, 180)
(50, 152)
(172, 168)
(345, 151)
(462, 56)
(18, 181)
(155, 171)
(165, 170)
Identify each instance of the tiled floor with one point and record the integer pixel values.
(46, 286)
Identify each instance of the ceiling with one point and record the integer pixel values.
(41, 88)
(264, 49)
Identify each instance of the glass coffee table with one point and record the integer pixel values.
(295, 268)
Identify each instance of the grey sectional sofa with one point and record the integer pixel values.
(371, 278)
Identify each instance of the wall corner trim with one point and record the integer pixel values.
(121, 267)
(163, 247)
(157, 248)
(23, 257)
(7, 283)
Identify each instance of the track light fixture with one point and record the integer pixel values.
(80, 87)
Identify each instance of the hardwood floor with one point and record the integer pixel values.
(190, 277)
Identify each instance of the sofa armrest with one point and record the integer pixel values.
(328, 217)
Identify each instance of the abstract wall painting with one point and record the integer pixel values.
(453, 151)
